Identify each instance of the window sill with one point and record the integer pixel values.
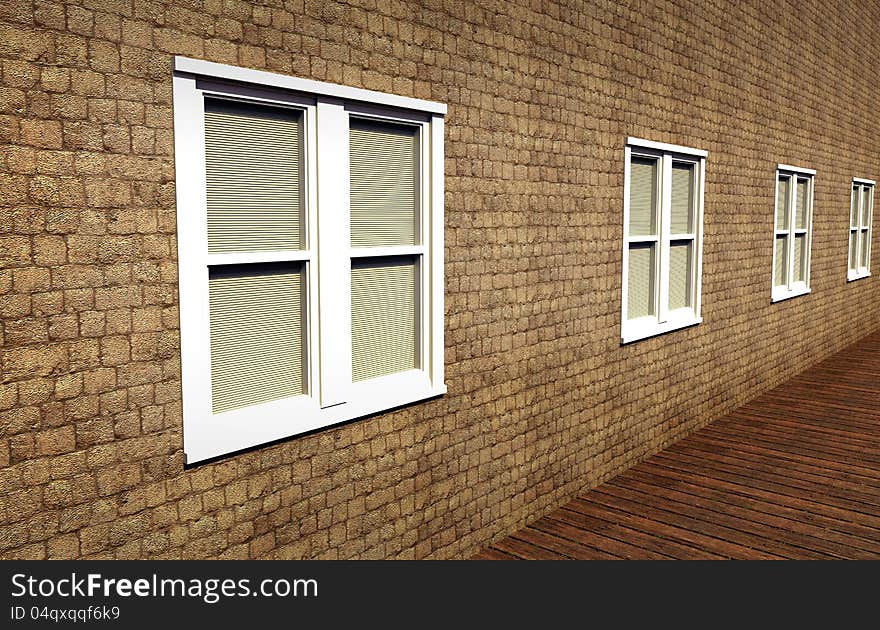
(857, 275)
(208, 435)
(635, 330)
(779, 295)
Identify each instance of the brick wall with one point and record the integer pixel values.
(543, 401)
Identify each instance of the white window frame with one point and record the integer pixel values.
(331, 395)
(791, 288)
(663, 320)
(860, 272)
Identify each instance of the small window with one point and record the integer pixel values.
(860, 219)
(663, 220)
(310, 240)
(793, 218)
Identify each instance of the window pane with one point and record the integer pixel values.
(853, 250)
(682, 198)
(780, 272)
(854, 208)
(680, 257)
(640, 286)
(384, 184)
(383, 316)
(256, 334)
(867, 192)
(800, 257)
(863, 255)
(253, 165)
(782, 203)
(643, 197)
(801, 204)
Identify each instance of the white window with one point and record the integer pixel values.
(310, 246)
(860, 219)
(793, 220)
(663, 233)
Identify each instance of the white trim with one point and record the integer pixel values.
(663, 320)
(271, 79)
(331, 397)
(782, 293)
(859, 180)
(853, 275)
(665, 147)
(795, 169)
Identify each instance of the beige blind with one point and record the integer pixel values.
(253, 160)
(384, 193)
(863, 257)
(781, 262)
(853, 250)
(642, 197)
(680, 274)
(782, 203)
(801, 204)
(800, 254)
(256, 334)
(383, 317)
(640, 285)
(854, 207)
(866, 205)
(682, 198)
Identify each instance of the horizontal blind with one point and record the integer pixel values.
(863, 256)
(643, 197)
(253, 162)
(866, 205)
(640, 284)
(853, 250)
(680, 274)
(384, 184)
(781, 262)
(256, 334)
(383, 316)
(800, 255)
(682, 198)
(782, 203)
(801, 202)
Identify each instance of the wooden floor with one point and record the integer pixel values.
(793, 474)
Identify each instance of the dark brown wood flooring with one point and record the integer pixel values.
(792, 474)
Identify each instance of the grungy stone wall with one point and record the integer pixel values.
(543, 401)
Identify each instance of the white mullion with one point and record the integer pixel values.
(790, 223)
(433, 220)
(333, 290)
(664, 226)
(698, 239)
(624, 272)
(808, 245)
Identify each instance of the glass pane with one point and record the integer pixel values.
(800, 257)
(801, 200)
(867, 193)
(384, 184)
(853, 250)
(256, 334)
(640, 285)
(680, 276)
(682, 198)
(854, 208)
(253, 167)
(383, 316)
(866, 247)
(643, 197)
(782, 203)
(780, 270)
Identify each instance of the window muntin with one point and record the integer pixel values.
(310, 241)
(861, 213)
(792, 228)
(662, 232)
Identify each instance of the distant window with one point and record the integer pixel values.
(793, 220)
(860, 219)
(663, 223)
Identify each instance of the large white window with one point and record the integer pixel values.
(793, 222)
(663, 231)
(860, 219)
(310, 246)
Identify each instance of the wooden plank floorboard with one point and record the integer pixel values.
(795, 473)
